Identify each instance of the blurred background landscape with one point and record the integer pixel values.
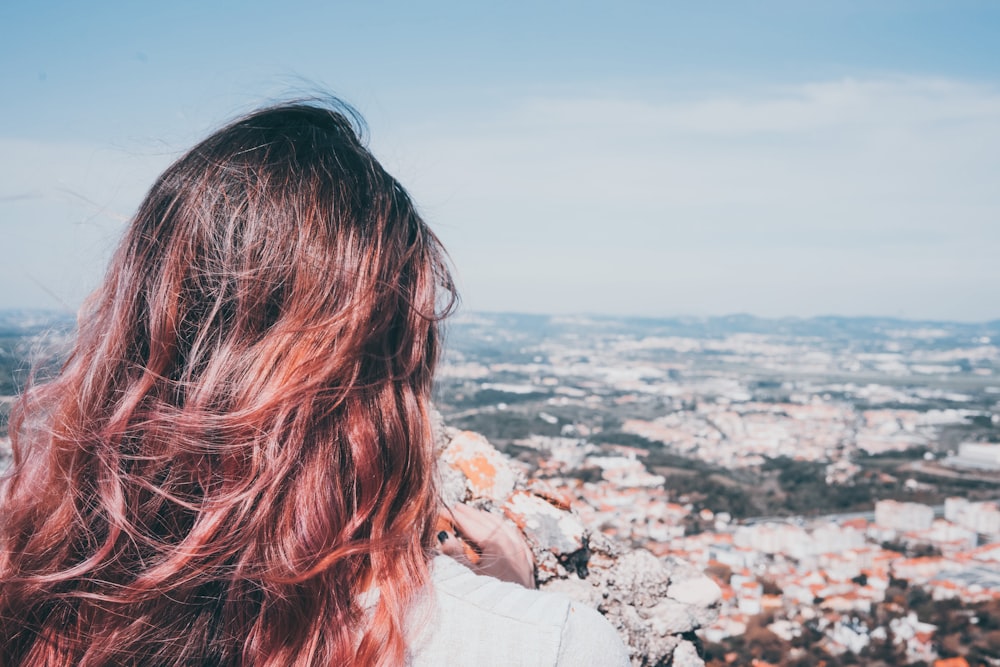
(728, 271)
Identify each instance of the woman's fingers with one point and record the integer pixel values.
(502, 550)
(452, 545)
(476, 525)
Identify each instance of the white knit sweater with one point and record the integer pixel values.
(467, 619)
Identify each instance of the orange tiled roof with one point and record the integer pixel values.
(952, 662)
(920, 561)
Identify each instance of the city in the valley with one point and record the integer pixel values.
(839, 478)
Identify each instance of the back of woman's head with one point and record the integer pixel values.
(238, 445)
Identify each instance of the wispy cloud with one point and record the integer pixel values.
(855, 195)
(857, 177)
(784, 110)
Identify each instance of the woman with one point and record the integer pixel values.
(234, 466)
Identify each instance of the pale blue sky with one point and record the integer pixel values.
(650, 158)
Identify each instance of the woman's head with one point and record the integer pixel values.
(239, 441)
(283, 237)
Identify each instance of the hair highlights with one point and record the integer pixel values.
(238, 445)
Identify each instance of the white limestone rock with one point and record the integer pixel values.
(686, 655)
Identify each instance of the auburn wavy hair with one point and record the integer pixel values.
(237, 451)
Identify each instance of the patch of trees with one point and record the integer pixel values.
(618, 437)
(910, 454)
(971, 631)
(803, 484)
(714, 493)
(503, 426)
(587, 474)
(912, 549)
(659, 455)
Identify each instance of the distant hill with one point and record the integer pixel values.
(26, 322)
(18, 328)
(928, 333)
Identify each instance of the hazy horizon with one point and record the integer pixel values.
(465, 313)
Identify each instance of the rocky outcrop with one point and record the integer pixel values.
(656, 604)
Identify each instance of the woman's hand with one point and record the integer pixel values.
(488, 545)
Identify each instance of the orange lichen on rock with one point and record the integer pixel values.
(480, 472)
(554, 495)
(544, 524)
(487, 473)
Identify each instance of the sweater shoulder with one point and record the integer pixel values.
(465, 618)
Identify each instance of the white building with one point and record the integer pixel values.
(981, 455)
(979, 517)
(798, 542)
(903, 517)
